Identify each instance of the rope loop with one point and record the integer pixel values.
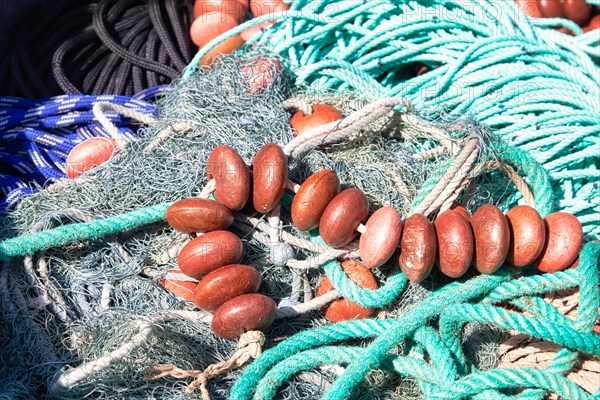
(448, 375)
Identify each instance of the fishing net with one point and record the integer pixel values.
(88, 319)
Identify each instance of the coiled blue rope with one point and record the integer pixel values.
(36, 136)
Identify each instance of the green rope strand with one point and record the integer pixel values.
(452, 303)
(63, 235)
(511, 378)
(532, 285)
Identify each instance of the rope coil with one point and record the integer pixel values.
(37, 136)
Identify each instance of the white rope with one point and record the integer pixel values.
(297, 104)
(99, 110)
(454, 177)
(167, 133)
(145, 330)
(312, 305)
(338, 131)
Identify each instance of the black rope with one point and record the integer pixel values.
(161, 28)
(105, 46)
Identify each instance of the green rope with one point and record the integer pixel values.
(452, 377)
(66, 234)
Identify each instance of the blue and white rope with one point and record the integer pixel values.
(36, 136)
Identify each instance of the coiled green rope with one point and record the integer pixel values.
(535, 87)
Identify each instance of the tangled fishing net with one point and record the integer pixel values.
(89, 318)
(92, 298)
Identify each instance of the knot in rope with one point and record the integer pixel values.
(280, 254)
(249, 347)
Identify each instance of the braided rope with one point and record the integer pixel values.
(250, 347)
(100, 107)
(446, 188)
(338, 131)
(37, 136)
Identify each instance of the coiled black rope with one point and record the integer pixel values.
(99, 47)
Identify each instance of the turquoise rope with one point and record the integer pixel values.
(313, 358)
(452, 304)
(364, 297)
(533, 285)
(513, 378)
(451, 321)
(38, 241)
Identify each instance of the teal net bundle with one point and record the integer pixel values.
(83, 314)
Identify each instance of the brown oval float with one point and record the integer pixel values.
(248, 312)
(492, 238)
(381, 238)
(418, 248)
(208, 252)
(455, 243)
(231, 176)
(527, 236)
(198, 215)
(270, 175)
(322, 114)
(313, 197)
(578, 11)
(564, 238)
(342, 216)
(89, 154)
(226, 283)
